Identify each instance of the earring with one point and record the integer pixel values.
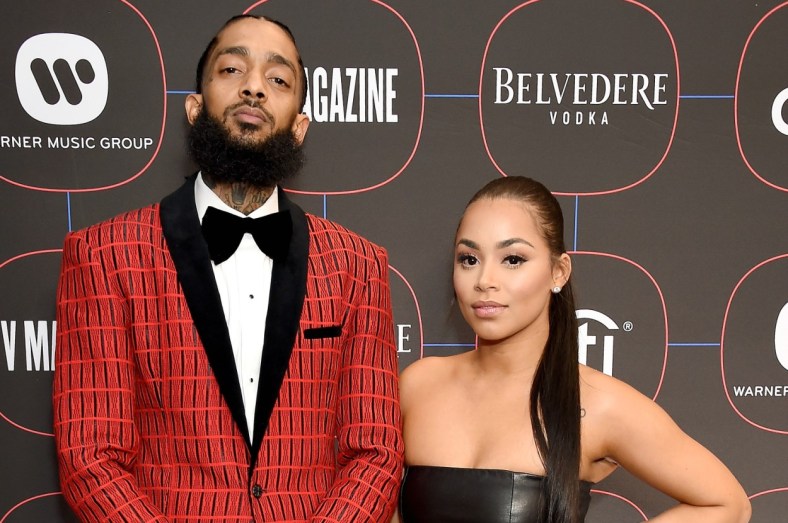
(556, 289)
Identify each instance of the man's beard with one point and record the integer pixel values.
(225, 158)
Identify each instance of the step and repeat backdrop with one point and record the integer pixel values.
(662, 127)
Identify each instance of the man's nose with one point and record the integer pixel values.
(254, 86)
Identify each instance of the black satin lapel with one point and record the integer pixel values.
(288, 288)
(181, 228)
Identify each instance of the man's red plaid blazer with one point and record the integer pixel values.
(149, 420)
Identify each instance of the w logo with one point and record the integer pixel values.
(61, 79)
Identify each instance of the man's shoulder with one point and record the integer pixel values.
(126, 224)
(328, 235)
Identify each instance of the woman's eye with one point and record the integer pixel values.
(513, 260)
(467, 260)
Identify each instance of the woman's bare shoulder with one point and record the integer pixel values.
(606, 394)
(431, 373)
(425, 369)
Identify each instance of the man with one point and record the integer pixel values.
(202, 379)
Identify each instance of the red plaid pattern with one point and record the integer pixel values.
(142, 430)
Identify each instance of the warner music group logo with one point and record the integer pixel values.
(61, 79)
(85, 110)
(754, 346)
(781, 352)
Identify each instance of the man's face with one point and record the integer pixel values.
(252, 83)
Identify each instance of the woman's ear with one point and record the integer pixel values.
(562, 269)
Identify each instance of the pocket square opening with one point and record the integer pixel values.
(332, 331)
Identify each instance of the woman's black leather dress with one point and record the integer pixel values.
(459, 495)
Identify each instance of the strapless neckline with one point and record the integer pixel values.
(490, 470)
(440, 494)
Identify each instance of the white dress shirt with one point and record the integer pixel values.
(244, 282)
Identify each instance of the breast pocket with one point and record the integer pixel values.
(316, 333)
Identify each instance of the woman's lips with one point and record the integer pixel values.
(487, 309)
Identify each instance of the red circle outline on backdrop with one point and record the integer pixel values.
(161, 133)
(418, 309)
(619, 497)
(675, 116)
(722, 345)
(661, 299)
(767, 492)
(736, 101)
(26, 501)
(762, 493)
(2, 415)
(421, 118)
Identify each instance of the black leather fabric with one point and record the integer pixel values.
(460, 495)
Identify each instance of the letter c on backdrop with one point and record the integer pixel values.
(777, 115)
(781, 337)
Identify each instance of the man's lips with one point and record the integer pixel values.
(251, 115)
(486, 309)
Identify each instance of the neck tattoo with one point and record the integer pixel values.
(241, 196)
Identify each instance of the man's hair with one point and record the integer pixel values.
(212, 45)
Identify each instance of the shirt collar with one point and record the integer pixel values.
(204, 197)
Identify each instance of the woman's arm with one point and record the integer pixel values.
(641, 437)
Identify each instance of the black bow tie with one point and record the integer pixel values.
(223, 232)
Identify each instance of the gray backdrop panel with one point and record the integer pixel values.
(675, 199)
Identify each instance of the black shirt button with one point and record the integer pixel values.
(257, 491)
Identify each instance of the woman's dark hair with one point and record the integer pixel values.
(555, 393)
(203, 61)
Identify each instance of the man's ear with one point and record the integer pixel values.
(193, 106)
(300, 126)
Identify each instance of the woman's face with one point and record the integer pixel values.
(504, 271)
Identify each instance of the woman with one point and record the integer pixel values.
(479, 448)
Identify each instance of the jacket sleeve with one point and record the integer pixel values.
(93, 391)
(369, 428)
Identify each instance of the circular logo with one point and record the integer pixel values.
(366, 93)
(583, 93)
